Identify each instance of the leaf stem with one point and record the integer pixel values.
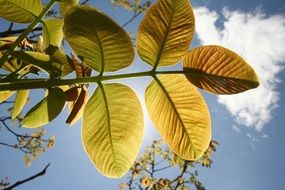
(21, 84)
(25, 33)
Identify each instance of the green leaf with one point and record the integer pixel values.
(46, 62)
(219, 70)
(5, 43)
(180, 114)
(52, 32)
(166, 32)
(5, 95)
(112, 129)
(20, 101)
(58, 56)
(98, 40)
(46, 110)
(20, 11)
(64, 5)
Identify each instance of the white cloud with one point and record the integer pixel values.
(259, 39)
(265, 136)
(235, 128)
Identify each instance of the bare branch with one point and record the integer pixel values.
(43, 172)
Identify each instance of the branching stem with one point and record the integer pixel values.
(20, 84)
(25, 33)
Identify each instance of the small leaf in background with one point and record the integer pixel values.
(219, 70)
(20, 101)
(180, 114)
(101, 43)
(113, 129)
(20, 11)
(46, 110)
(166, 32)
(77, 107)
(52, 32)
(80, 68)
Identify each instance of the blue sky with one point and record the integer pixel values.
(249, 127)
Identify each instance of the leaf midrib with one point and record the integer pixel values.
(108, 120)
(164, 39)
(101, 52)
(173, 105)
(198, 73)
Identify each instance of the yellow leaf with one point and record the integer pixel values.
(5, 95)
(66, 4)
(101, 43)
(20, 101)
(219, 70)
(112, 129)
(52, 32)
(20, 11)
(180, 114)
(46, 110)
(166, 32)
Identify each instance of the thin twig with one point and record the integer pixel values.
(19, 31)
(185, 166)
(43, 172)
(164, 168)
(136, 14)
(84, 2)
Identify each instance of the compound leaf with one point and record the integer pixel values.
(20, 11)
(46, 110)
(166, 32)
(180, 114)
(112, 128)
(219, 70)
(101, 43)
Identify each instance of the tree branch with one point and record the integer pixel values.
(185, 166)
(131, 19)
(43, 172)
(19, 31)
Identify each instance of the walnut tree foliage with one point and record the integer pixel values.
(112, 128)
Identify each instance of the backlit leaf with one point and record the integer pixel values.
(20, 11)
(219, 70)
(20, 101)
(112, 128)
(66, 4)
(40, 60)
(5, 95)
(166, 32)
(46, 110)
(59, 56)
(101, 43)
(52, 32)
(180, 114)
